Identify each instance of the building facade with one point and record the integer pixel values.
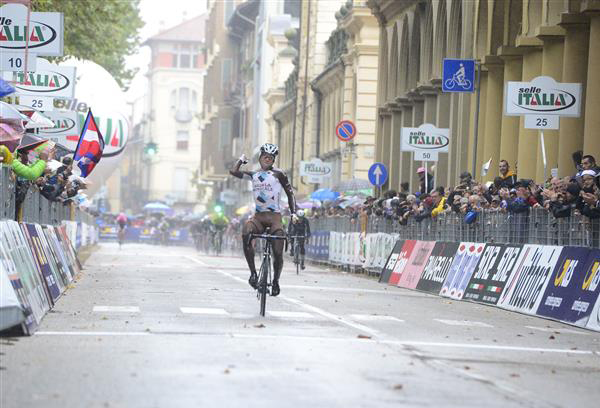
(514, 40)
(171, 124)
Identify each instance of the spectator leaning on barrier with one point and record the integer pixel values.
(561, 204)
(29, 171)
(439, 203)
(589, 195)
(509, 179)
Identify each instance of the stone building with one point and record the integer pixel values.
(171, 120)
(515, 40)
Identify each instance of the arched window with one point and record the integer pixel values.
(184, 101)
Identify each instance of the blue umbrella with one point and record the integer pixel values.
(324, 194)
(5, 88)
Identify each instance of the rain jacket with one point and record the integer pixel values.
(440, 208)
(29, 172)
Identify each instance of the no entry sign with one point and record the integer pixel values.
(345, 130)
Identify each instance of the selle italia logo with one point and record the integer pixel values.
(541, 100)
(424, 140)
(44, 81)
(14, 34)
(61, 125)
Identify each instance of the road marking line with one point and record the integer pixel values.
(321, 339)
(117, 309)
(94, 333)
(293, 315)
(331, 316)
(376, 318)
(199, 262)
(463, 323)
(203, 310)
(559, 330)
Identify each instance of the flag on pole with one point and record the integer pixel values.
(90, 146)
(486, 166)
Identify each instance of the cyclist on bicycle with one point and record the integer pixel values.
(267, 185)
(300, 227)
(219, 225)
(122, 221)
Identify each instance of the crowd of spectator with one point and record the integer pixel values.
(576, 194)
(52, 177)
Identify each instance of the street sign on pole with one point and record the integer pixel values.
(345, 130)
(458, 75)
(378, 174)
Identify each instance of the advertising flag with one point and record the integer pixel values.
(90, 146)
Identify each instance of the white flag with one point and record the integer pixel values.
(486, 167)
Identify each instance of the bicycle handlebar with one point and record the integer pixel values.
(267, 236)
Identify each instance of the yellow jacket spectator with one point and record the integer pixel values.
(29, 172)
(441, 206)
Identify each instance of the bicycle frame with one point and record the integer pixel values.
(264, 277)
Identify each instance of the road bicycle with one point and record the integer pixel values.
(264, 274)
(217, 241)
(121, 236)
(296, 249)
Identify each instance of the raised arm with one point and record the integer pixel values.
(235, 170)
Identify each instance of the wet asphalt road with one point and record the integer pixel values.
(151, 326)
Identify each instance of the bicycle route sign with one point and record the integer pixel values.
(345, 130)
(458, 75)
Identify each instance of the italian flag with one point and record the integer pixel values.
(494, 289)
(476, 286)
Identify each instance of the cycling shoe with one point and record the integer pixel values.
(253, 281)
(275, 289)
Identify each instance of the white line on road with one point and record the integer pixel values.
(559, 330)
(293, 315)
(323, 339)
(117, 309)
(94, 333)
(203, 310)
(376, 318)
(199, 262)
(463, 323)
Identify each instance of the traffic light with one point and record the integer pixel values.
(151, 148)
(218, 209)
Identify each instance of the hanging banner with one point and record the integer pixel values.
(316, 170)
(413, 270)
(426, 138)
(48, 80)
(524, 289)
(437, 267)
(492, 272)
(542, 95)
(464, 264)
(45, 31)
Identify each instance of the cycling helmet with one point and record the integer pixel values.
(269, 148)
(300, 213)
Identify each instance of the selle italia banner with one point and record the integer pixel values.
(542, 95)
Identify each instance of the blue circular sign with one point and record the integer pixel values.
(378, 174)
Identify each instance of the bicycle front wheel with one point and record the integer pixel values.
(263, 286)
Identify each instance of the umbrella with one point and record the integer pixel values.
(324, 194)
(10, 135)
(30, 141)
(10, 112)
(310, 203)
(5, 88)
(157, 207)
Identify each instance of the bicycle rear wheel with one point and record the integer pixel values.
(263, 286)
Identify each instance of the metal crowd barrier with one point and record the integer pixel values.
(537, 226)
(36, 208)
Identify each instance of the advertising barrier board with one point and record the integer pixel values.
(386, 271)
(403, 257)
(414, 268)
(462, 268)
(42, 262)
(492, 272)
(437, 267)
(565, 283)
(580, 311)
(524, 289)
